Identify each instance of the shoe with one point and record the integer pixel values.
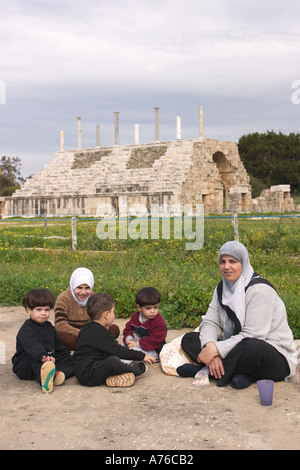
(59, 378)
(123, 380)
(241, 381)
(188, 370)
(140, 369)
(47, 374)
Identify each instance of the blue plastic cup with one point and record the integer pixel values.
(265, 388)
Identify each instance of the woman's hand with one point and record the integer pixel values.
(210, 356)
(216, 367)
(208, 353)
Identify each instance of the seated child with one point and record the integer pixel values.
(40, 355)
(146, 330)
(98, 355)
(70, 308)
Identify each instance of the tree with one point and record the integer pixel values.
(272, 159)
(10, 175)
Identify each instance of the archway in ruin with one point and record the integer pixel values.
(226, 172)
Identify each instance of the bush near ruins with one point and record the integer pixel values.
(32, 256)
(271, 159)
(10, 175)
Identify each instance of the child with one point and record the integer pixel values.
(146, 330)
(70, 308)
(40, 355)
(98, 355)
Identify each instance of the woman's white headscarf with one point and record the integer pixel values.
(81, 276)
(234, 292)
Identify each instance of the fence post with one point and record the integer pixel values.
(235, 222)
(2, 353)
(74, 234)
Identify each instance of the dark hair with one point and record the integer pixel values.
(147, 296)
(99, 303)
(38, 298)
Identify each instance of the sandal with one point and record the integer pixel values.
(59, 378)
(123, 380)
(47, 374)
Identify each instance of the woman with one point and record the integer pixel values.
(70, 308)
(244, 335)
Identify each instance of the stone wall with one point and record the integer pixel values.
(78, 182)
(276, 198)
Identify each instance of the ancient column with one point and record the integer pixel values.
(136, 134)
(201, 122)
(79, 132)
(117, 141)
(97, 135)
(62, 141)
(178, 127)
(156, 124)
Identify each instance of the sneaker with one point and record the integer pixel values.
(140, 369)
(59, 378)
(123, 380)
(47, 374)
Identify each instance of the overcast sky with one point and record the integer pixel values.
(60, 59)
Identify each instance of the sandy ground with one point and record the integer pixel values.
(159, 412)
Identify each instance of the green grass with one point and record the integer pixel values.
(34, 257)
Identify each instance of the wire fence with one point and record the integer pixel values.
(75, 220)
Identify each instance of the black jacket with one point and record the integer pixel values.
(96, 343)
(37, 340)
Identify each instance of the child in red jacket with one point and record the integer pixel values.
(146, 330)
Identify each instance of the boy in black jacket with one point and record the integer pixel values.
(98, 355)
(40, 354)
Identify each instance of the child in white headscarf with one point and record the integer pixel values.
(244, 335)
(70, 308)
(81, 285)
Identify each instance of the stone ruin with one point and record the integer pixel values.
(276, 198)
(197, 171)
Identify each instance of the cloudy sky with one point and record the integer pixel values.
(60, 59)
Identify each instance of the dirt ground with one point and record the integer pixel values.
(158, 412)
